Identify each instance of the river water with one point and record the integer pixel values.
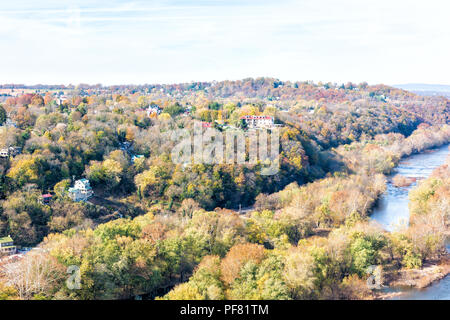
(392, 210)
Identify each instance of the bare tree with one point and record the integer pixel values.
(35, 273)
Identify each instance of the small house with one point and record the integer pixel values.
(46, 198)
(4, 153)
(7, 245)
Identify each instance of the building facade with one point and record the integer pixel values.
(81, 191)
(7, 246)
(11, 151)
(258, 121)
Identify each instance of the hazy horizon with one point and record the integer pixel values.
(136, 42)
(412, 85)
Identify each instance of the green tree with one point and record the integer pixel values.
(2, 115)
(174, 109)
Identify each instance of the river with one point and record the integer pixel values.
(392, 211)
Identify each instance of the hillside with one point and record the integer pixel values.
(151, 221)
(426, 89)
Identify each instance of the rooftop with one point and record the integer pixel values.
(256, 117)
(6, 239)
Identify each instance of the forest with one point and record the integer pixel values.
(160, 230)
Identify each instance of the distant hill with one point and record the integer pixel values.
(426, 89)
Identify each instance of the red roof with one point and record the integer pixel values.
(48, 195)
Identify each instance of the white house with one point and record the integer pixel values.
(11, 151)
(4, 153)
(153, 109)
(60, 100)
(82, 191)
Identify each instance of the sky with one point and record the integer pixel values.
(137, 42)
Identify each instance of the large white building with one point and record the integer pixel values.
(82, 191)
(258, 121)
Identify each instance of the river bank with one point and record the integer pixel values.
(392, 212)
(402, 282)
